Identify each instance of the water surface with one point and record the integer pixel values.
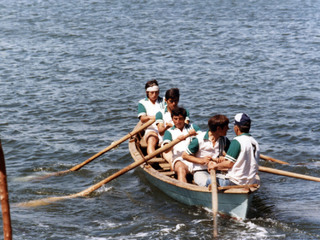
(72, 73)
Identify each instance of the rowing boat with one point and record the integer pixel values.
(232, 200)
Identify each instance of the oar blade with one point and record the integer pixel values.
(41, 202)
(39, 177)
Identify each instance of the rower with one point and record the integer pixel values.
(180, 128)
(147, 109)
(242, 156)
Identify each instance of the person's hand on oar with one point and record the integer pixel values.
(218, 159)
(113, 145)
(46, 201)
(192, 132)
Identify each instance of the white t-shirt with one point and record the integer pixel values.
(244, 151)
(147, 108)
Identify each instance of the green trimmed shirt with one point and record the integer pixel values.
(244, 152)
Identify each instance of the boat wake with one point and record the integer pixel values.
(103, 189)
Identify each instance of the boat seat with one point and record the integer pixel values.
(165, 166)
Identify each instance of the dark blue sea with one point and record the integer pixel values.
(72, 73)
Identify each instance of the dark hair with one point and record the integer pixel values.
(245, 127)
(177, 111)
(217, 121)
(173, 93)
(151, 83)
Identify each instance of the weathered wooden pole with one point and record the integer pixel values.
(7, 232)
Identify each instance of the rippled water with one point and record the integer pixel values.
(72, 72)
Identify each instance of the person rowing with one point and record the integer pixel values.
(207, 146)
(147, 109)
(242, 156)
(164, 120)
(180, 128)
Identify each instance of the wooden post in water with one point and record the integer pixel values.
(7, 232)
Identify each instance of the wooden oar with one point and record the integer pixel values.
(214, 202)
(5, 206)
(288, 174)
(46, 201)
(267, 158)
(111, 146)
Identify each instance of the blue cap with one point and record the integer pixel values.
(241, 119)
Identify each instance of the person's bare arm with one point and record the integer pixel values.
(146, 118)
(162, 128)
(192, 132)
(222, 165)
(203, 161)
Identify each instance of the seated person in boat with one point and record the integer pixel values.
(207, 146)
(180, 128)
(242, 156)
(164, 119)
(147, 109)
